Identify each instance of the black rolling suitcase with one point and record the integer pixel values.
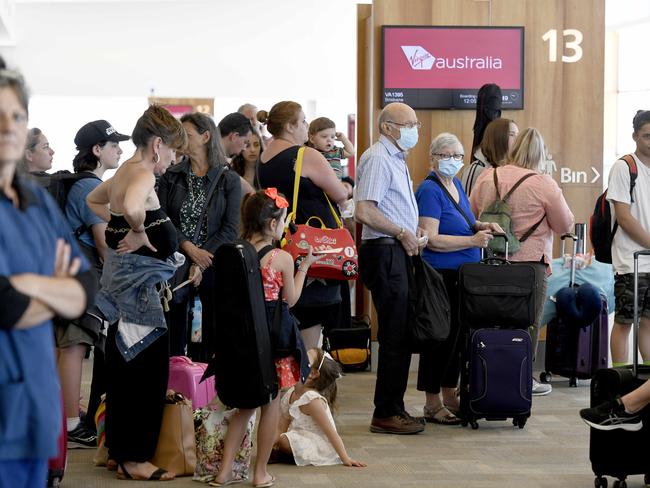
(243, 364)
(620, 453)
(572, 351)
(497, 306)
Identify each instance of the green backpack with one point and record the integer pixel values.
(500, 212)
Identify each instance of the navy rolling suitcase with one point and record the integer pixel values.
(497, 377)
(572, 351)
(621, 453)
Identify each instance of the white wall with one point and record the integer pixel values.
(88, 60)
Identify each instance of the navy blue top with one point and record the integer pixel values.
(433, 202)
(30, 396)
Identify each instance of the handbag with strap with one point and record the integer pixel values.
(178, 281)
(176, 449)
(340, 260)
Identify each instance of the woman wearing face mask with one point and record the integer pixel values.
(455, 238)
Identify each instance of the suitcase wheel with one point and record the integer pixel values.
(600, 482)
(519, 422)
(545, 377)
(474, 424)
(646, 479)
(573, 382)
(620, 484)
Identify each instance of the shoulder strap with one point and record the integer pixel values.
(208, 195)
(297, 169)
(634, 171)
(451, 199)
(516, 185)
(530, 231)
(264, 251)
(336, 216)
(496, 183)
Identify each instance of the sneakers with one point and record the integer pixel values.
(541, 389)
(397, 424)
(611, 415)
(81, 438)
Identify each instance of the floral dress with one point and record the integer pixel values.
(287, 369)
(193, 206)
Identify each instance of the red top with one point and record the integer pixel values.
(271, 278)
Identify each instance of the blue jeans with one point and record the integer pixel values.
(23, 473)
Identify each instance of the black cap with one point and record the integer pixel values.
(97, 131)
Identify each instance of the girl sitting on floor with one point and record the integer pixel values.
(307, 429)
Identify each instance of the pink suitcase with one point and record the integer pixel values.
(184, 377)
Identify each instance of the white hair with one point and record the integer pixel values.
(445, 139)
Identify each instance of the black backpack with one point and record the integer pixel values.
(601, 229)
(59, 184)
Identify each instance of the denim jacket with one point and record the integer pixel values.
(129, 292)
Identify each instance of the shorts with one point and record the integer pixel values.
(67, 334)
(624, 295)
(311, 316)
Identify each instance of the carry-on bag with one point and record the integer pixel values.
(496, 292)
(350, 347)
(243, 365)
(574, 351)
(496, 378)
(617, 452)
(56, 465)
(185, 377)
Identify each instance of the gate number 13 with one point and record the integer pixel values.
(573, 44)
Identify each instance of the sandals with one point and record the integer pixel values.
(225, 483)
(266, 484)
(157, 475)
(448, 419)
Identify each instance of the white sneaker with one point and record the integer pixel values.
(541, 389)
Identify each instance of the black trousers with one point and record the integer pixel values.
(440, 367)
(384, 271)
(135, 397)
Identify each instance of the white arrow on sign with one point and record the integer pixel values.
(596, 175)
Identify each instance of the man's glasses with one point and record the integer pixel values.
(408, 125)
(457, 157)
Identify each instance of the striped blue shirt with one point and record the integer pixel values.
(383, 177)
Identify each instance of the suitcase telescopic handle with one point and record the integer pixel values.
(574, 239)
(494, 236)
(635, 323)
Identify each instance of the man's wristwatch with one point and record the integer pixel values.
(401, 234)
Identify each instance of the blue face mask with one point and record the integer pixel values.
(449, 167)
(408, 137)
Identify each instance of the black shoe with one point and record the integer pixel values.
(611, 415)
(81, 438)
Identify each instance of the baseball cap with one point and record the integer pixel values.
(97, 131)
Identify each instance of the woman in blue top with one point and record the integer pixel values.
(455, 237)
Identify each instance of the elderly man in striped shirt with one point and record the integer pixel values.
(386, 206)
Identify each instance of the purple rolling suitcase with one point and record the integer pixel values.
(576, 352)
(497, 377)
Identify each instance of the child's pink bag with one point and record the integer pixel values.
(184, 377)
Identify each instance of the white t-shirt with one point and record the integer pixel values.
(618, 190)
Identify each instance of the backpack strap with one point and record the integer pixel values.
(451, 199)
(530, 231)
(634, 172)
(516, 185)
(264, 251)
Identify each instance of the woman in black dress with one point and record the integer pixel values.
(286, 122)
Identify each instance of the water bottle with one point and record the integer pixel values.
(197, 313)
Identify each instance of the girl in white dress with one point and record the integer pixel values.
(307, 429)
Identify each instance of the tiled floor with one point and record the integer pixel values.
(551, 451)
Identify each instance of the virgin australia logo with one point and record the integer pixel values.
(421, 59)
(418, 57)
